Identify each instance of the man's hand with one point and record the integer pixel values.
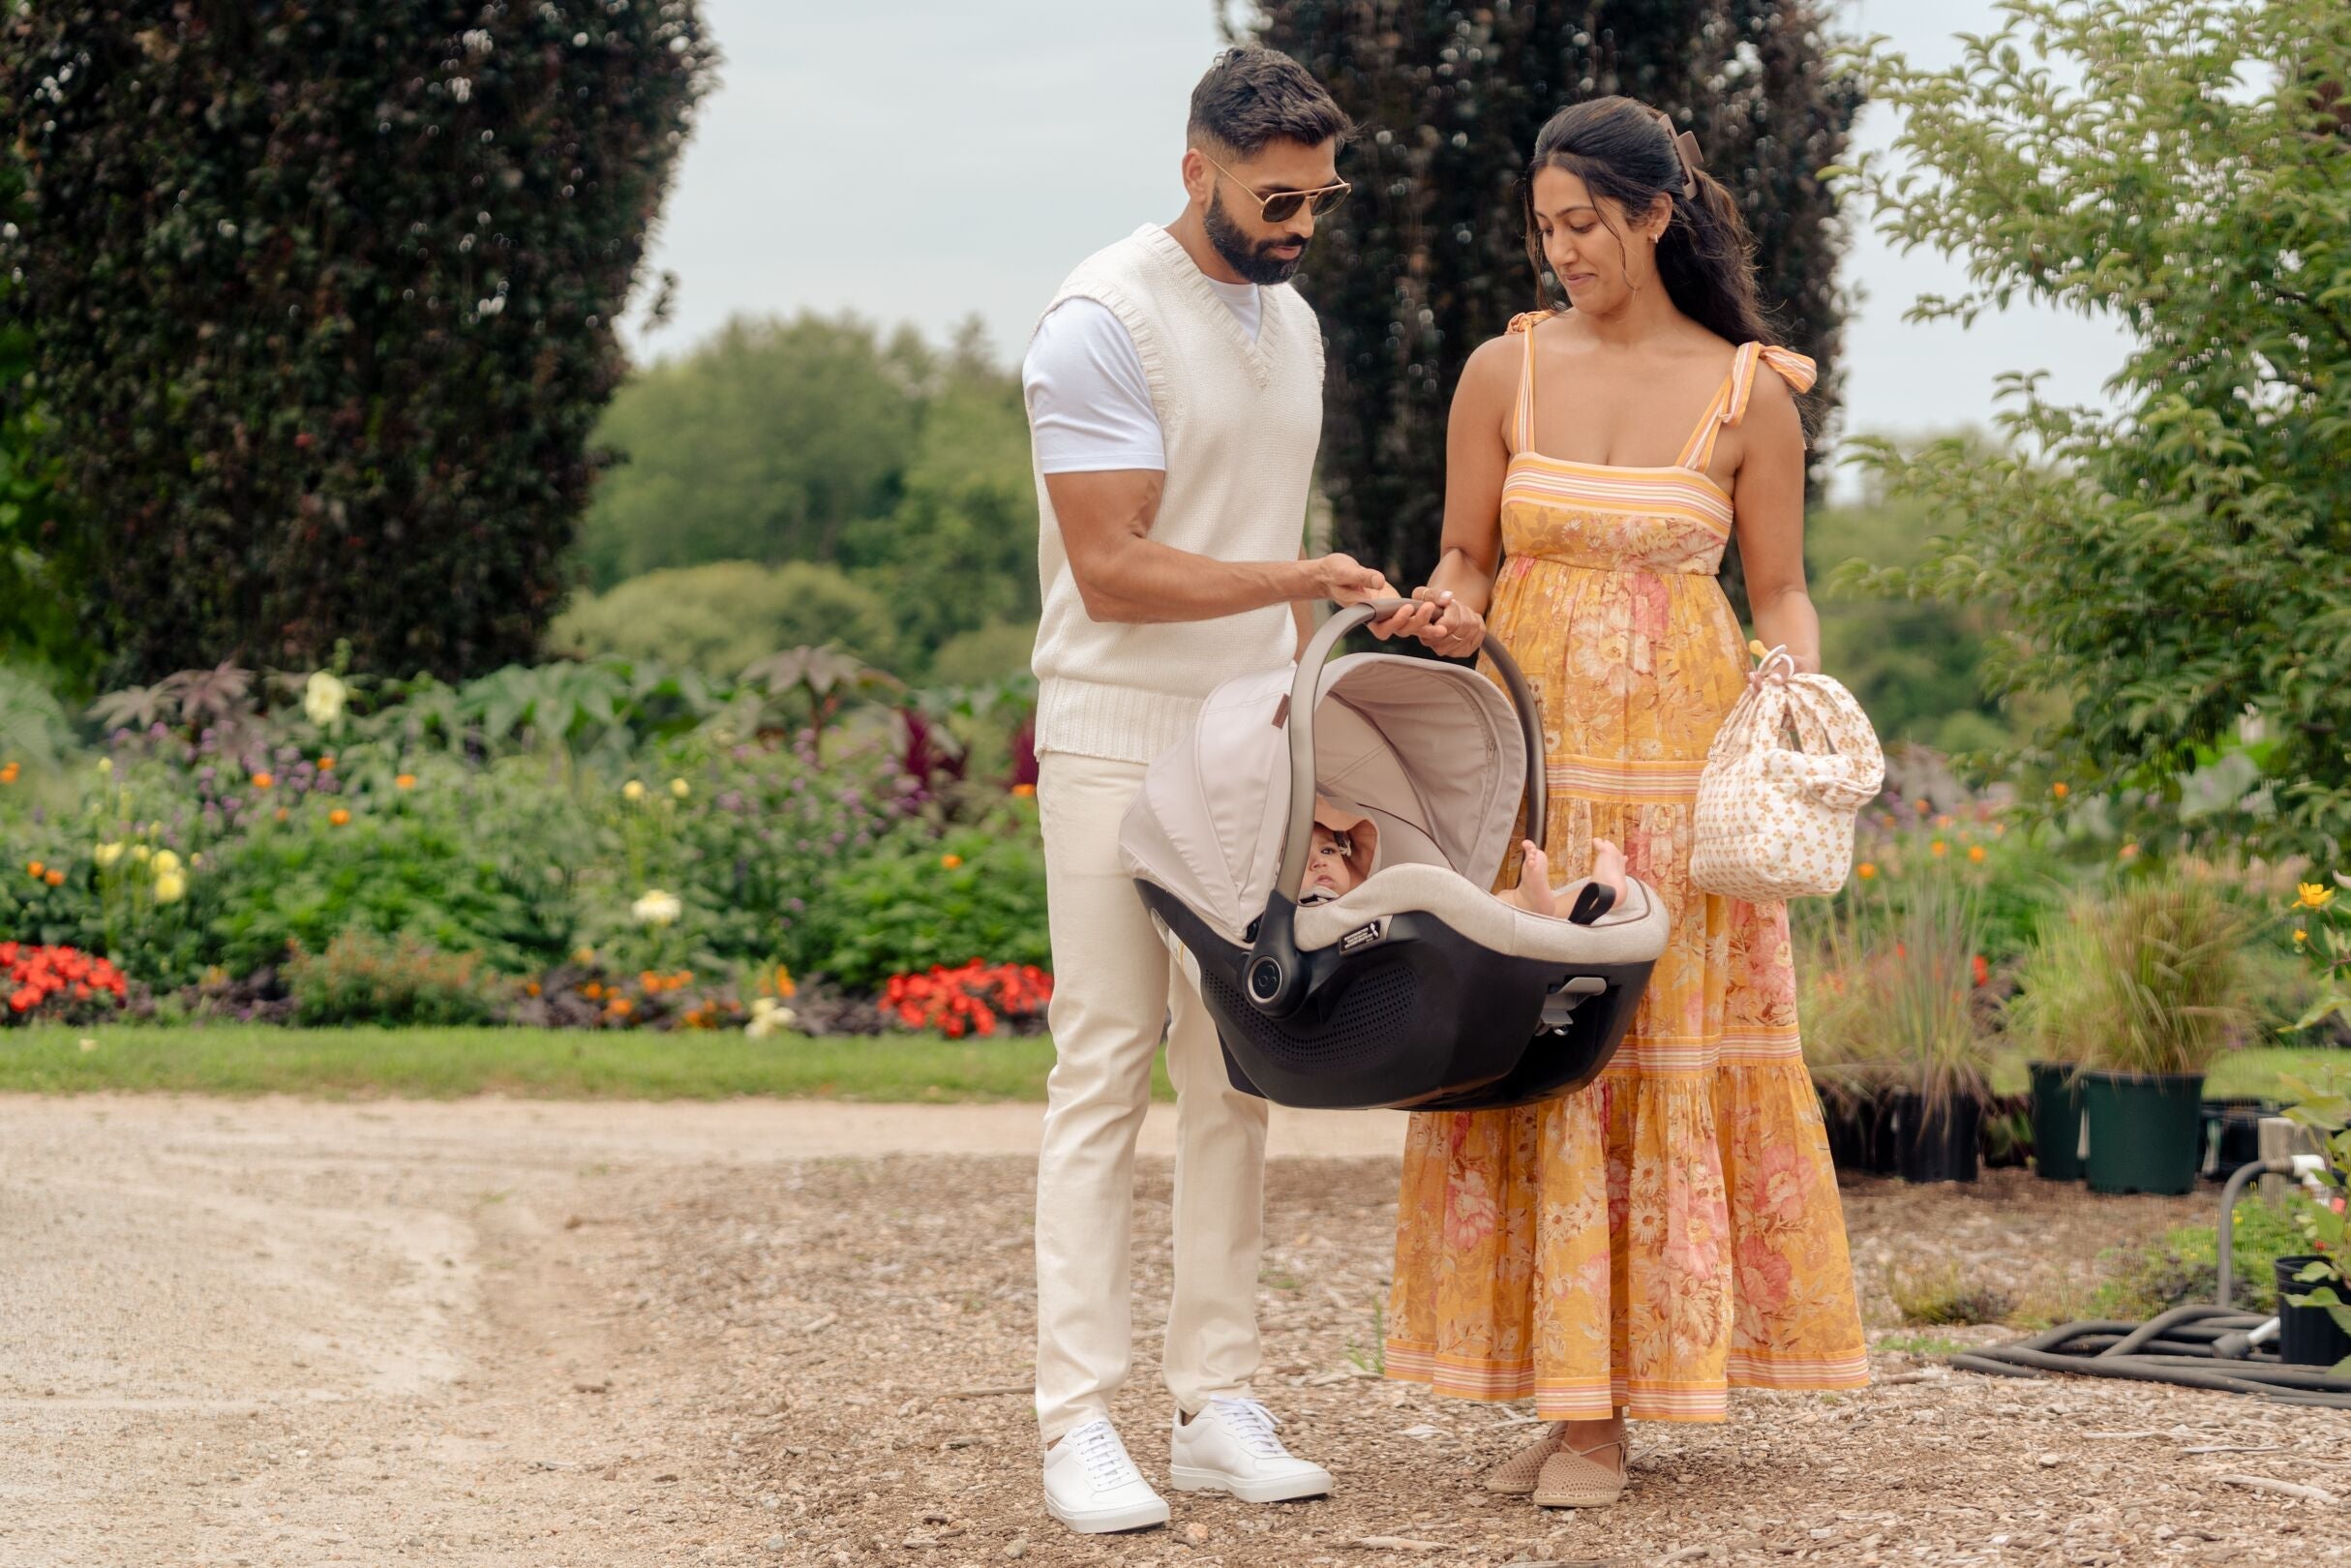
(1344, 580)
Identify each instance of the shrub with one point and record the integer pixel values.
(720, 618)
(919, 902)
(1941, 1294)
(2182, 1266)
(361, 978)
(323, 303)
(1893, 997)
(999, 650)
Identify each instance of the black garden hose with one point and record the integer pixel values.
(2182, 1346)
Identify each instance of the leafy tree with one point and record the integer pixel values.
(321, 299)
(2169, 565)
(1426, 260)
(765, 443)
(815, 442)
(38, 623)
(720, 618)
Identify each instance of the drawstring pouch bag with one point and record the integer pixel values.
(1791, 765)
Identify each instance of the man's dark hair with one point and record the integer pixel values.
(1252, 95)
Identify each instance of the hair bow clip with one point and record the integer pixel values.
(1685, 148)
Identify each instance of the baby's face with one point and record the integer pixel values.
(1331, 869)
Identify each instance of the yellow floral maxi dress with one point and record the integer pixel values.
(1672, 1229)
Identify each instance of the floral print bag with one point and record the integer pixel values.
(1793, 762)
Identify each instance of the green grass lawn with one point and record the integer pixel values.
(436, 1064)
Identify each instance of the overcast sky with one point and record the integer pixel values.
(928, 160)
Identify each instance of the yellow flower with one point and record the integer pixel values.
(583, 955)
(2300, 936)
(656, 908)
(2312, 895)
(323, 697)
(141, 853)
(170, 887)
(679, 788)
(105, 764)
(106, 855)
(166, 862)
(1975, 854)
(632, 791)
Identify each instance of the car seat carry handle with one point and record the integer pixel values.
(1275, 979)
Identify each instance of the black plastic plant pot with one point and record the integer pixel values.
(2306, 1335)
(2057, 1120)
(1852, 1122)
(1935, 1141)
(2231, 1134)
(2145, 1133)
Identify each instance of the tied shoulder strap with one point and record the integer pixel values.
(1729, 404)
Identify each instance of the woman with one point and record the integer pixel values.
(1639, 1247)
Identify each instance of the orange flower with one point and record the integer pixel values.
(531, 988)
(263, 781)
(621, 1006)
(1866, 870)
(1975, 853)
(1020, 792)
(7, 774)
(326, 765)
(2058, 790)
(951, 861)
(407, 781)
(785, 987)
(279, 814)
(2128, 852)
(1939, 849)
(55, 879)
(591, 990)
(339, 817)
(34, 868)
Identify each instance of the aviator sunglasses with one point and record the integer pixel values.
(1283, 205)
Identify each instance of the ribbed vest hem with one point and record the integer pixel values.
(1119, 723)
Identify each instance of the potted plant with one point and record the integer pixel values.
(2145, 986)
(1902, 1029)
(2056, 1022)
(2314, 1287)
(1837, 1049)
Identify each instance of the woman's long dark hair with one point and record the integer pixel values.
(1620, 149)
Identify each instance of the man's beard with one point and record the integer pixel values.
(1255, 264)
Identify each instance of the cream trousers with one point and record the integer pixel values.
(1114, 980)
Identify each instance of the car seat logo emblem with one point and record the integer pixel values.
(1361, 937)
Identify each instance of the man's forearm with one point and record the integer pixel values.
(1144, 581)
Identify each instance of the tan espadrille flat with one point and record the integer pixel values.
(1516, 1476)
(1573, 1479)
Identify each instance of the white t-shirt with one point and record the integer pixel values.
(1089, 402)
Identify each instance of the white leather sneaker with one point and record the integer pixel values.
(1231, 1447)
(1093, 1487)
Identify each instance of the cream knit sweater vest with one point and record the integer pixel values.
(1241, 421)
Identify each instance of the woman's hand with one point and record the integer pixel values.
(1777, 669)
(1448, 626)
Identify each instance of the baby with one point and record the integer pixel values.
(1344, 844)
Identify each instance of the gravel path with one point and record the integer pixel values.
(271, 1333)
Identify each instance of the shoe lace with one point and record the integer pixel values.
(1103, 1456)
(1253, 1424)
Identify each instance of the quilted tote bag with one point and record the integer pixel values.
(1793, 763)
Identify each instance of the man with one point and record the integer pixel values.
(1174, 388)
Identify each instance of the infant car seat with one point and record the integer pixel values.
(1418, 990)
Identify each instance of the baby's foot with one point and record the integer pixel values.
(1608, 867)
(1534, 880)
